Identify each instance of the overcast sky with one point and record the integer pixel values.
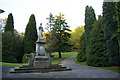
(73, 10)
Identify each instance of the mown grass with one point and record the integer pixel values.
(56, 59)
(113, 69)
(64, 54)
(11, 64)
(19, 64)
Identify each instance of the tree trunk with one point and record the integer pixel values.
(60, 56)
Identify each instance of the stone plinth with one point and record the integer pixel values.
(42, 62)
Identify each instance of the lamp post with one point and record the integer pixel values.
(1, 11)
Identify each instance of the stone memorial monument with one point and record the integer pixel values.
(39, 61)
(42, 59)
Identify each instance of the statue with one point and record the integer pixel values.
(40, 36)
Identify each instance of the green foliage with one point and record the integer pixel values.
(90, 18)
(59, 36)
(110, 31)
(25, 59)
(10, 23)
(49, 39)
(75, 38)
(8, 51)
(12, 45)
(12, 48)
(18, 48)
(118, 22)
(82, 51)
(30, 35)
(98, 55)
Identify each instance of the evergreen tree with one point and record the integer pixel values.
(8, 47)
(118, 22)
(8, 42)
(30, 35)
(48, 35)
(82, 52)
(98, 55)
(18, 48)
(110, 30)
(10, 23)
(59, 35)
(90, 18)
(50, 22)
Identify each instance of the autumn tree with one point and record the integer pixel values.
(74, 40)
(30, 36)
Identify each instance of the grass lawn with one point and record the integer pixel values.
(11, 64)
(113, 69)
(64, 54)
(19, 64)
(56, 59)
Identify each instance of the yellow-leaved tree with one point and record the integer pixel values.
(75, 38)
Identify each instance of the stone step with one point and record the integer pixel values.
(27, 69)
(18, 69)
(42, 70)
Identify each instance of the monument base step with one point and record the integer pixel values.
(27, 69)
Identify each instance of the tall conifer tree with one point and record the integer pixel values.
(10, 23)
(90, 18)
(110, 30)
(98, 55)
(30, 35)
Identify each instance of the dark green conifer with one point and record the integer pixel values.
(90, 18)
(82, 52)
(10, 23)
(110, 31)
(30, 35)
(98, 55)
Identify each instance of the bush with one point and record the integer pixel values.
(25, 59)
(82, 53)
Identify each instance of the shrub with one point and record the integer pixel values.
(25, 59)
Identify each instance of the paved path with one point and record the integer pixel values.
(78, 71)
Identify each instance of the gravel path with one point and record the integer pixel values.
(78, 71)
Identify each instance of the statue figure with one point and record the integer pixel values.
(40, 36)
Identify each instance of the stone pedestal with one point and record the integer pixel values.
(41, 60)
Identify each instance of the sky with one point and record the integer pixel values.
(74, 11)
